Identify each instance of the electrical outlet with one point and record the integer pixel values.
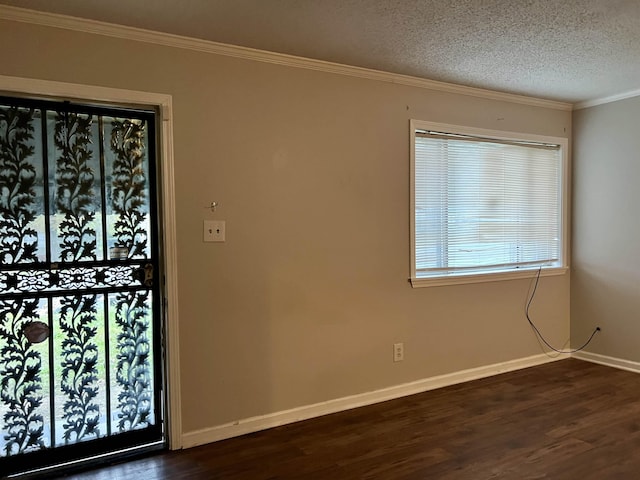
(398, 352)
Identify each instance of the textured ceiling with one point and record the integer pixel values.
(567, 50)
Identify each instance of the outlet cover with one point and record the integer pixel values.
(398, 352)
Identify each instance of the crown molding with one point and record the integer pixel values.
(137, 34)
(602, 101)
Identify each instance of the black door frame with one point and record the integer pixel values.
(171, 401)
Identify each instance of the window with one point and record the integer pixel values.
(486, 205)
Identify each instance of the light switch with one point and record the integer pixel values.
(214, 231)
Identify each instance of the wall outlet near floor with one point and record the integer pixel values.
(398, 352)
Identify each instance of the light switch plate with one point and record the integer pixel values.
(214, 231)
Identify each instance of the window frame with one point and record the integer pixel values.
(500, 135)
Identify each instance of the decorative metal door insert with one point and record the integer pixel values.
(80, 369)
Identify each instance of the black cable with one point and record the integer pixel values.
(533, 293)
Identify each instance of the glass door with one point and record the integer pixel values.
(80, 353)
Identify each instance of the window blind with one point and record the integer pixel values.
(485, 205)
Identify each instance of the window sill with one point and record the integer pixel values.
(485, 277)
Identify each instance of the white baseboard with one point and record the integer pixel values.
(262, 422)
(608, 361)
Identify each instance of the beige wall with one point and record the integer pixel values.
(605, 288)
(304, 300)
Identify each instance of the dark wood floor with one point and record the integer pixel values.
(565, 420)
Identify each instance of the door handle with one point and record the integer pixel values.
(144, 275)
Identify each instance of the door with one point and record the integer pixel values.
(80, 349)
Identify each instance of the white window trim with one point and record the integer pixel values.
(498, 135)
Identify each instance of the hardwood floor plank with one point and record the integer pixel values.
(565, 420)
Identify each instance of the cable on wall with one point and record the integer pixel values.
(537, 331)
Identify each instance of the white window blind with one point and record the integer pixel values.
(485, 205)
